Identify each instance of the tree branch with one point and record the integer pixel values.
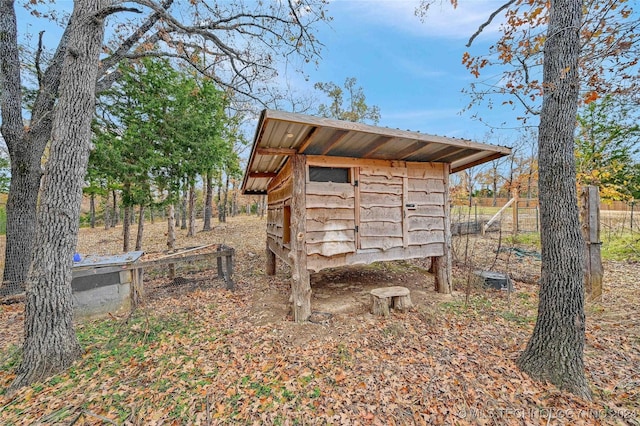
(135, 37)
(488, 21)
(37, 58)
(103, 13)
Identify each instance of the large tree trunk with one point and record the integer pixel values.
(21, 224)
(208, 202)
(192, 210)
(555, 351)
(50, 343)
(140, 228)
(25, 147)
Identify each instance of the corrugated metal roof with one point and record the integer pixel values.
(281, 134)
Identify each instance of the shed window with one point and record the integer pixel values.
(329, 174)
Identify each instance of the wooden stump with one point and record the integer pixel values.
(398, 298)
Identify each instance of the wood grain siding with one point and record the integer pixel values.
(279, 199)
(316, 262)
(330, 219)
(381, 199)
(425, 220)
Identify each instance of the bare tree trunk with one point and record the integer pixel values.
(171, 228)
(107, 213)
(92, 210)
(225, 201)
(234, 198)
(183, 206)
(116, 213)
(208, 202)
(126, 228)
(171, 237)
(494, 187)
(140, 228)
(192, 210)
(50, 344)
(220, 207)
(555, 351)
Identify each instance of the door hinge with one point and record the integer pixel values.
(355, 183)
(357, 228)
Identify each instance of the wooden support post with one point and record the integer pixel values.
(442, 264)
(271, 260)
(219, 264)
(590, 215)
(136, 292)
(228, 278)
(300, 284)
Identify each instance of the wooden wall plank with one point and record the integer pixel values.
(383, 243)
(381, 214)
(423, 198)
(425, 170)
(396, 253)
(324, 215)
(342, 190)
(329, 202)
(418, 238)
(285, 174)
(368, 200)
(388, 172)
(426, 185)
(426, 211)
(380, 188)
(405, 203)
(332, 225)
(380, 229)
(356, 205)
(317, 262)
(280, 194)
(424, 223)
(329, 236)
(279, 250)
(383, 180)
(329, 249)
(330, 161)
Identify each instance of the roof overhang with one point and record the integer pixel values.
(281, 134)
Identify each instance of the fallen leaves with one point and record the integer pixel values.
(201, 355)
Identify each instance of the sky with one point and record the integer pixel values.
(410, 68)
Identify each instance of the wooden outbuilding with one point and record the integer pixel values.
(342, 193)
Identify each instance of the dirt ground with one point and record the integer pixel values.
(454, 350)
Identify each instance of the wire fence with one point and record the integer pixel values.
(616, 218)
